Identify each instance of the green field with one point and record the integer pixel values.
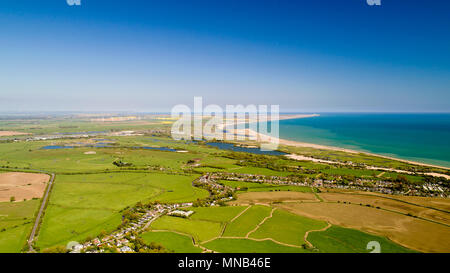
(199, 229)
(344, 240)
(172, 241)
(287, 228)
(225, 245)
(283, 232)
(16, 220)
(247, 221)
(73, 125)
(84, 205)
(216, 214)
(249, 186)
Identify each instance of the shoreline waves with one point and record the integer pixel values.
(265, 138)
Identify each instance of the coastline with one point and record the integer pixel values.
(265, 138)
(318, 146)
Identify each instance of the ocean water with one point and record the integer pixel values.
(419, 137)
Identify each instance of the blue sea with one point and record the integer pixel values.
(419, 137)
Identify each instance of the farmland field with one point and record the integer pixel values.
(287, 228)
(247, 221)
(259, 229)
(216, 214)
(271, 197)
(200, 230)
(226, 245)
(15, 224)
(172, 241)
(343, 240)
(100, 179)
(22, 186)
(402, 229)
(83, 205)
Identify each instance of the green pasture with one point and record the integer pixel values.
(16, 220)
(287, 228)
(201, 230)
(344, 240)
(172, 241)
(76, 125)
(226, 245)
(259, 187)
(216, 214)
(247, 221)
(83, 205)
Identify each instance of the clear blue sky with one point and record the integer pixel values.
(308, 56)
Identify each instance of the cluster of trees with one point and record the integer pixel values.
(134, 213)
(120, 163)
(260, 161)
(140, 246)
(56, 249)
(215, 194)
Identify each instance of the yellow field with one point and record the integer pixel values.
(11, 133)
(391, 204)
(22, 185)
(270, 197)
(410, 232)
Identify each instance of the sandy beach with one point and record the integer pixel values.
(268, 139)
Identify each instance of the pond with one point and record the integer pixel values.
(53, 147)
(157, 148)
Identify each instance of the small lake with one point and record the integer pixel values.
(232, 147)
(157, 148)
(54, 147)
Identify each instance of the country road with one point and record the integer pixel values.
(41, 211)
(43, 204)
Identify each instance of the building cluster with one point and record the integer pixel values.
(181, 213)
(380, 186)
(256, 178)
(218, 193)
(122, 239)
(388, 187)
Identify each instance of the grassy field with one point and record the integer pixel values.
(83, 205)
(225, 245)
(76, 124)
(216, 214)
(247, 221)
(274, 197)
(344, 240)
(199, 229)
(16, 220)
(287, 228)
(283, 232)
(427, 211)
(172, 241)
(411, 232)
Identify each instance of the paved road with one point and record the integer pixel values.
(41, 211)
